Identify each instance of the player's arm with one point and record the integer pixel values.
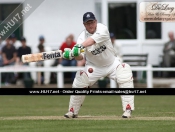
(99, 36)
(76, 51)
(78, 48)
(80, 55)
(88, 42)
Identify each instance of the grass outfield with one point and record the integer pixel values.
(98, 114)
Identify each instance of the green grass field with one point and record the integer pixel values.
(98, 114)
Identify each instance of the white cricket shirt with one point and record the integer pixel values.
(102, 52)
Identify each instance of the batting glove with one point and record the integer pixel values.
(67, 54)
(77, 49)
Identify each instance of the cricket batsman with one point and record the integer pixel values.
(102, 60)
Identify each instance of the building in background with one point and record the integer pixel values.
(55, 19)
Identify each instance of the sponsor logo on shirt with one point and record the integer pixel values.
(99, 50)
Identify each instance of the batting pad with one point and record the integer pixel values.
(124, 76)
(75, 103)
(127, 99)
(125, 80)
(81, 80)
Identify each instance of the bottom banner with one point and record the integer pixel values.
(87, 91)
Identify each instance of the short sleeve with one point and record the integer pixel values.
(81, 38)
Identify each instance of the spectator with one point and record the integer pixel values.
(23, 50)
(9, 54)
(40, 75)
(117, 46)
(1, 46)
(69, 43)
(42, 47)
(14, 41)
(41, 43)
(169, 53)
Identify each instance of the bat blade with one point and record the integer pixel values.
(41, 56)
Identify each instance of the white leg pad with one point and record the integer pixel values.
(75, 103)
(125, 80)
(81, 81)
(127, 99)
(124, 76)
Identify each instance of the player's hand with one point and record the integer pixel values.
(67, 54)
(76, 50)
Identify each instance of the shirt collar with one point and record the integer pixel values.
(87, 33)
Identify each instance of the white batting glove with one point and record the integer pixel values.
(77, 49)
(67, 54)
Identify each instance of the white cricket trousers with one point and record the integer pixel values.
(99, 72)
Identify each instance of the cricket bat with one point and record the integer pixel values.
(42, 56)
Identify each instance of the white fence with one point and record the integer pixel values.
(60, 69)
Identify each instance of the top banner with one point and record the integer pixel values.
(157, 11)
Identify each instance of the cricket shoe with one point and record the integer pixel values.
(70, 115)
(127, 113)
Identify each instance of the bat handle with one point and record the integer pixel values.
(82, 50)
